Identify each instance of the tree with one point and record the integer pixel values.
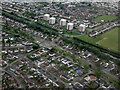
(35, 46)
(98, 73)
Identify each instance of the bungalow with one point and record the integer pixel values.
(16, 51)
(78, 86)
(90, 78)
(66, 77)
(12, 39)
(70, 64)
(4, 51)
(5, 40)
(7, 44)
(55, 84)
(19, 44)
(15, 56)
(29, 76)
(22, 50)
(52, 54)
(97, 59)
(105, 65)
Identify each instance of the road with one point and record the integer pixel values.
(48, 43)
(66, 84)
(72, 35)
(20, 59)
(109, 74)
(51, 74)
(19, 81)
(4, 68)
(13, 47)
(92, 29)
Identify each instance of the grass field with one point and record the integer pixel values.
(106, 18)
(87, 39)
(109, 39)
(72, 33)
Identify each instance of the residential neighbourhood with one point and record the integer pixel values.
(60, 45)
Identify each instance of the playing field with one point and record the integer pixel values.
(106, 18)
(109, 40)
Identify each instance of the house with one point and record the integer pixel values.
(90, 78)
(78, 86)
(4, 52)
(55, 84)
(70, 64)
(30, 76)
(66, 77)
(105, 65)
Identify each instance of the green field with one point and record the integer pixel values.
(106, 18)
(87, 39)
(72, 33)
(109, 40)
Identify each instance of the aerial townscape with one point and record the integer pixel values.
(59, 45)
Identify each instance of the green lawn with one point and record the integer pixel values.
(64, 28)
(106, 18)
(72, 33)
(109, 39)
(87, 39)
(43, 21)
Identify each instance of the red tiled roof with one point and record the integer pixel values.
(93, 78)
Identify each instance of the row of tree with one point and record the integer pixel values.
(97, 50)
(91, 48)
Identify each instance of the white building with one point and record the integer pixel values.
(52, 20)
(46, 17)
(82, 28)
(70, 26)
(62, 22)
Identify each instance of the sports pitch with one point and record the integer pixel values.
(109, 39)
(106, 18)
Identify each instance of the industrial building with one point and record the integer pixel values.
(46, 17)
(82, 28)
(63, 22)
(52, 20)
(70, 26)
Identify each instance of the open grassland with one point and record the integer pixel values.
(106, 18)
(87, 39)
(109, 39)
